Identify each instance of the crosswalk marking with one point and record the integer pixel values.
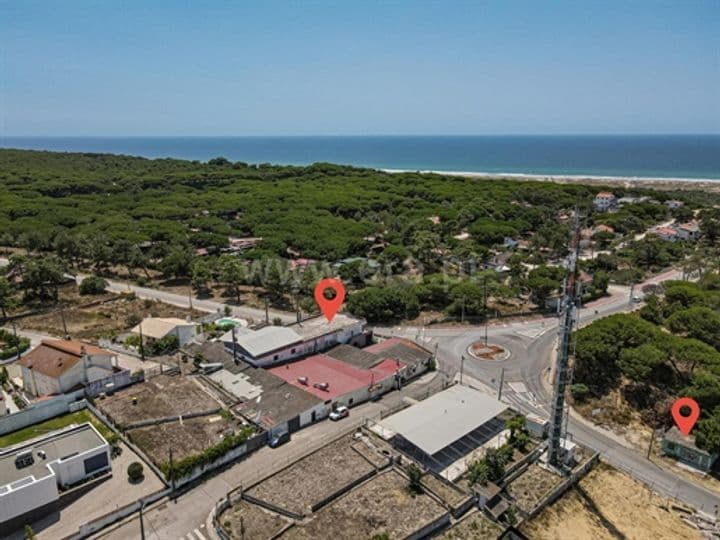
(199, 535)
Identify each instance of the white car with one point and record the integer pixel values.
(339, 413)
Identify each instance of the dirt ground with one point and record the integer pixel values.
(606, 504)
(257, 522)
(382, 505)
(473, 527)
(532, 485)
(313, 478)
(161, 396)
(106, 318)
(451, 496)
(186, 439)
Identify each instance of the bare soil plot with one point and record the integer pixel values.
(609, 504)
(381, 505)
(159, 397)
(101, 319)
(530, 487)
(473, 527)
(310, 480)
(257, 522)
(186, 439)
(452, 496)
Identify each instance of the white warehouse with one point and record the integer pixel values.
(32, 473)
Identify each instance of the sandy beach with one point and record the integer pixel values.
(672, 184)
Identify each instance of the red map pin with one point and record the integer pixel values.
(685, 423)
(329, 307)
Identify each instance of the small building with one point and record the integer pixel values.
(688, 231)
(241, 244)
(665, 233)
(262, 397)
(604, 201)
(674, 204)
(31, 473)
(155, 328)
(272, 345)
(336, 382)
(683, 448)
(445, 427)
(58, 365)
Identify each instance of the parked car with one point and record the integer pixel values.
(278, 439)
(339, 413)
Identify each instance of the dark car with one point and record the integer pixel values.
(278, 439)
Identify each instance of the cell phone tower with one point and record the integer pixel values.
(568, 312)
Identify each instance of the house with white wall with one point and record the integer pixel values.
(155, 328)
(604, 201)
(57, 366)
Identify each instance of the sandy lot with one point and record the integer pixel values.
(532, 485)
(473, 527)
(257, 522)
(606, 504)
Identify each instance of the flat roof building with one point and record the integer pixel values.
(32, 472)
(272, 345)
(683, 448)
(444, 427)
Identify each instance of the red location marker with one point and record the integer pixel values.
(685, 423)
(329, 307)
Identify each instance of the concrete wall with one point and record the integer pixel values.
(38, 412)
(23, 499)
(321, 411)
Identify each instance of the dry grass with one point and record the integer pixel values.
(257, 522)
(381, 505)
(609, 504)
(186, 439)
(473, 527)
(530, 487)
(314, 477)
(158, 397)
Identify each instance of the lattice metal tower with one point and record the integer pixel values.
(568, 311)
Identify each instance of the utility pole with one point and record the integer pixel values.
(502, 381)
(234, 345)
(190, 297)
(485, 311)
(462, 310)
(267, 313)
(462, 363)
(142, 344)
(62, 317)
(171, 471)
(568, 310)
(142, 525)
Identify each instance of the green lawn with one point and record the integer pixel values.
(58, 422)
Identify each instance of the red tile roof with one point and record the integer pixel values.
(341, 377)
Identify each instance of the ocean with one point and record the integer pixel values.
(653, 156)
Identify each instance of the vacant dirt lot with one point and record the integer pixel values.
(532, 485)
(609, 504)
(104, 319)
(452, 496)
(186, 439)
(382, 505)
(474, 527)
(258, 523)
(159, 397)
(313, 478)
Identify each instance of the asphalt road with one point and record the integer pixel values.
(527, 384)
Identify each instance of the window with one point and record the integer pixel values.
(96, 463)
(292, 351)
(275, 357)
(350, 401)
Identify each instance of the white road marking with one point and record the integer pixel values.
(518, 387)
(199, 534)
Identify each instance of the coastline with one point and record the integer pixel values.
(688, 184)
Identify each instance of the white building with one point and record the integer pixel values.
(58, 365)
(274, 344)
(155, 328)
(604, 201)
(674, 204)
(688, 231)
(32, 472)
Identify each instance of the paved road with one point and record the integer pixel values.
(527, 376)
(182, 300)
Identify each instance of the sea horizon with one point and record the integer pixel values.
(642, 157)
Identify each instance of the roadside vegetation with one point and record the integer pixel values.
(670, 348)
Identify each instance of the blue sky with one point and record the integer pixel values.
(365, 67)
